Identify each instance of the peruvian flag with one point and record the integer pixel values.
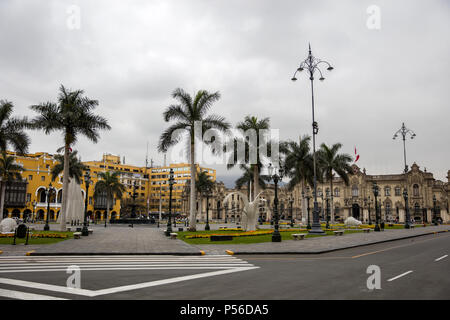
(356, 155)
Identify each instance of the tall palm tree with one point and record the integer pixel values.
(110, 185)
(11, 129)
(73, 116)
(330, 161)
(9, 171)
(203, 185)
(247, 179)
(76, 167)
(299, 164)
(185, 114)
(251, 123)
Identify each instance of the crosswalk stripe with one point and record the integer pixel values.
(56, 263)
(25, 295)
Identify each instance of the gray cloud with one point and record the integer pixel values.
(131, 55)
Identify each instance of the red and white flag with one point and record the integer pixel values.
(356, 155)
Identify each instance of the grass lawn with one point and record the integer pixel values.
(32, 241)
(285, 235)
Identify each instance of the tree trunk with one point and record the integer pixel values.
(192, 215)
(107, 208)
(304, 207)
(255, 181)
(331, 204)
(2, 199)
(200, 205)
(65, 187)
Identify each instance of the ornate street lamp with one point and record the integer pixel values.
(377, 218)
(208, 195)
(328, 209)
(48, 192)
(291, 202)
(369, 202)
(434, 211)
(87, 181)
(276, 236)
(407, 217)
(404, 131)
(169, 222)
(308, 197)
(311, 64)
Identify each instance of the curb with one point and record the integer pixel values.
(32, 253)
(337, 249)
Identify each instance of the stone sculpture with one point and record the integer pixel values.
(250, 211)
(352, 222)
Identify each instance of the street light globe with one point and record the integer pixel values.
(294, 79)
(330, 68)
(321, 78)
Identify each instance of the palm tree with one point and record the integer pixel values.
(251, 123)
(76, 167)
(330, 161)
(73, 115)
(11, 129)
(110, 185)
(247, 179)
(9, 171)
(203, 185)
(186, 113)
(299, 164)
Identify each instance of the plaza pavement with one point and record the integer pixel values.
(140, 240)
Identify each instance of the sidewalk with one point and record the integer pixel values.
(141, 240)
(113, 240)
(322, 244)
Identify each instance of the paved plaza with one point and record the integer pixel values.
(150, 240)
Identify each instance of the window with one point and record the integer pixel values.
(398, 191)
(355, 192)
(42, 178)
(387, 191)
(415, 190)
(30, 177)
(336, 192)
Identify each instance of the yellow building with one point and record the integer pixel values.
(159, 185)
(28, 198)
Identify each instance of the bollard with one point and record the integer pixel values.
(28, 232)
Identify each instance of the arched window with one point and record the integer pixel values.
(355, 192)
(42, 197)
(415, 190)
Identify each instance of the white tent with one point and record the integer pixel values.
(75, 203)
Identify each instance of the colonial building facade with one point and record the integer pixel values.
(426, 195)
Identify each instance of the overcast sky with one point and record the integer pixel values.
(131, 55)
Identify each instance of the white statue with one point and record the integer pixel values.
(250, 211)
(352, 222)
(75, 203)
(8, 225)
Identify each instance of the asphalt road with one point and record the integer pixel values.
(416, 268)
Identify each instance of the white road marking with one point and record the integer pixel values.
(25, 296)
(399, 276)
(223, 264)
(441, 257)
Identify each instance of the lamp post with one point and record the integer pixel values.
(226, 212)
(87, 181)
(328, 210)
(434, 211)
(48, 191)
(307, 208)
(368, 202)
(208, 194)
(377, 219)
(276, 236)
(169, 222)
(291, 202)
(407, 217)
(311, 64)
(404, 131)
